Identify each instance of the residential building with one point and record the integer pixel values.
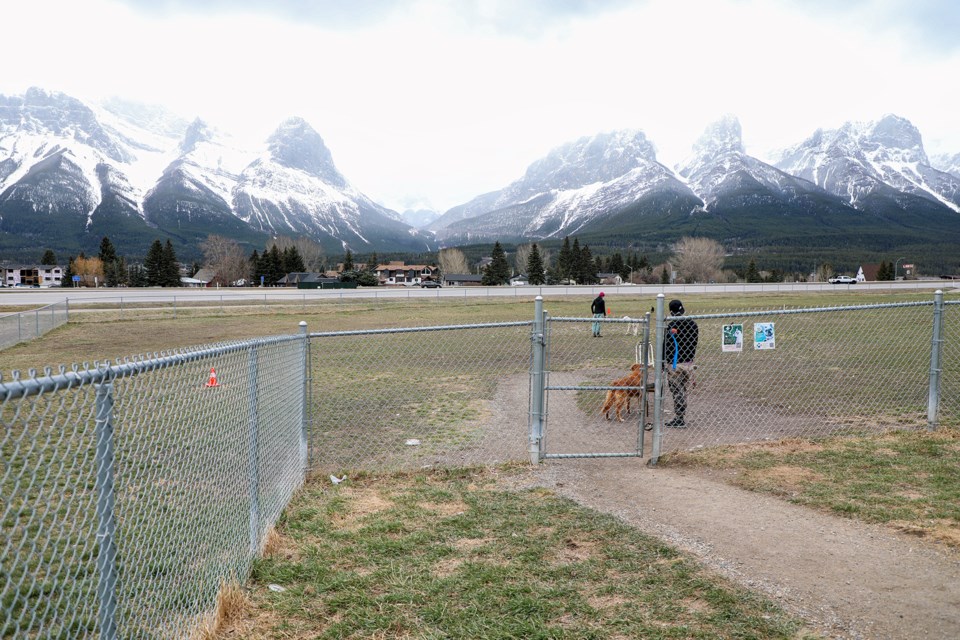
(462, 280)
(33, 275)
(398, 273)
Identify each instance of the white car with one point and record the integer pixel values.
(842, 280)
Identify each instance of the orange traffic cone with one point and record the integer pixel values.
(212, 382)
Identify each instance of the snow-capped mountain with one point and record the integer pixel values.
(71, 172)
(295, 189)
(872, 164)
(575, 186)
(947, 163)
(720, 168)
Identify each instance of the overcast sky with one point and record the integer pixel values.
(447, 99)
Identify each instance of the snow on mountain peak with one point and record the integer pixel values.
(723, 136)
(295, 144)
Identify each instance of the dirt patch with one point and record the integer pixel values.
(445, 509)
(361, 504)
(846, 579)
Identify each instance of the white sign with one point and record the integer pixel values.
(764, 336)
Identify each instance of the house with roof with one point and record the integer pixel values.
(462, 280)
(399, 273)
(32, 275)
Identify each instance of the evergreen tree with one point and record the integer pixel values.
(885, 272)
(618, 266)
(372, 263)
(664, 275)
(587, 273)
(566, 261)
(137, 276)
(753, 275)
(254, 262)
(272, 266)
(153, 265)
(115, 273)
(535, 271)
(169, 266)
(576, 264)
(49, 258)
(498, 271)
(107, 252)
(293, 261)
(348, 261)
(67, 278)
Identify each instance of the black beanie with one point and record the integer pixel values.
(676, 307)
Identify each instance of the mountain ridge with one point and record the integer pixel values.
(70, 171)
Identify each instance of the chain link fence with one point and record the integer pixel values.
(409, 398)
(949, 362)
(132, 492)
(27, 325)
(758, 376)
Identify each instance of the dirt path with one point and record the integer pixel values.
(848, 580)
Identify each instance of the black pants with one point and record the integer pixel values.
(677, 380)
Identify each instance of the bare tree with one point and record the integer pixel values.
(310, 250)
(521, 257)
(698, 259)
(90, 271)
(453, 261)
(225, 258)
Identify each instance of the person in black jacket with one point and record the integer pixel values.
(599, 310)
(679, 350)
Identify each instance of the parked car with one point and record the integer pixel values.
(842, 280)
(430, 284)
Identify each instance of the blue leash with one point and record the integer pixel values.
(676, 350)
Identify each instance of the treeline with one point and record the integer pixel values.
(160, 267)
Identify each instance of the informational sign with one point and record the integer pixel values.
(75, 278)
(261, 280)
(764, 336)
(732, 337)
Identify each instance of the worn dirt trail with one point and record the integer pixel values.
(847, 579)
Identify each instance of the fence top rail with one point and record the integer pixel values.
(62, 303)
(36, 382)
(444, 327)
(772, 312)
(627, 320)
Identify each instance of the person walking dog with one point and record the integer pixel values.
(679, 350)
(599, 310)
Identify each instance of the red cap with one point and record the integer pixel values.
(601, 294)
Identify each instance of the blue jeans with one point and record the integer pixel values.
(596, 325)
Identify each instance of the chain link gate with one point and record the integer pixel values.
(574, 374)
(814, 372)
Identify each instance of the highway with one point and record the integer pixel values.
(132, 297)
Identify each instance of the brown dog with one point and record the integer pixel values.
(617, 399)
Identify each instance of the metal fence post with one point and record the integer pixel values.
(304, 368)
(936, 348)
(537, 382)
(106, 525)
(658, 384)
(253, 453)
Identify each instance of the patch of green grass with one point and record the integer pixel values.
(449, 554)
(907, 479)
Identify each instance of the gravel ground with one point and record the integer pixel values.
(846, 579)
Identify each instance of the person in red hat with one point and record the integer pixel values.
(599, 310)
